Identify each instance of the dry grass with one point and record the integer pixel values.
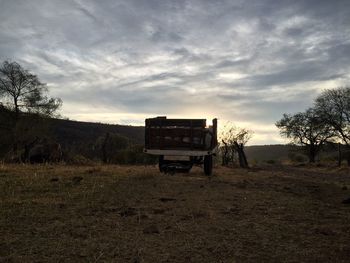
(135, 214)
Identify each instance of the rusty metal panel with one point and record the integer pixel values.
(182, 134)
(177, 122)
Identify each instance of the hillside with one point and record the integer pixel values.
(76, 137)
(79, 137)
(268, 152)
(67, 131)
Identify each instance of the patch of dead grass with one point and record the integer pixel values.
(267, 214)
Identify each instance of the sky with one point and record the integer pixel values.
(119, 62)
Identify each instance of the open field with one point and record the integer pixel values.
(134, 214)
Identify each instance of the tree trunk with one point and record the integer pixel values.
(27, 148)
(225, 154)
(339, 155)
(243, 163)
(244, 157)
(346, 154)
(311, 158)
(16, 108)
(15, 137)
(15, 147)
(104, 149)
(312, 153)
(231, 156)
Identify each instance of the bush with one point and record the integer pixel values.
(76, 159)
(133, 155)
(297, 157)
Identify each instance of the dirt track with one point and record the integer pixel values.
(135, 214)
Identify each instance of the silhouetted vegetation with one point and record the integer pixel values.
(306, 129)
(334, 108)
(30, 133)
(233, 140)
(81, 142)
(25, 106)
(327, 121)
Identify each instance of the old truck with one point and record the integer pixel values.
(181, 143)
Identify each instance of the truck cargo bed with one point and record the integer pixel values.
(179, 135)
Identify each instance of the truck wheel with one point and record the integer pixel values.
(208, 164)
(161, 163)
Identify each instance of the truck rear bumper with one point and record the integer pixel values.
(178, 152)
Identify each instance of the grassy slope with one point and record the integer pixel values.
(268, 152)
(106, 213)
(67, 131)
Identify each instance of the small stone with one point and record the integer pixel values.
(346, 201)
(60, 205)
(158, 211)
(166, 199)
(127, 211)
(152, 229)
(55, 179)
(77, 179)
(144, 216)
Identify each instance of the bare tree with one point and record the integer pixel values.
(306, 129)
(233, 140)
(333, 106)
(22, 92)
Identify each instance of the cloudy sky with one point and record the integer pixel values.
(122, 61)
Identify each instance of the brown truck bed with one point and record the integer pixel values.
(179, 134)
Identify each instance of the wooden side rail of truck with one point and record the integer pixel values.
(181, 143)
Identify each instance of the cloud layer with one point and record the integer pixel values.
(122, 61)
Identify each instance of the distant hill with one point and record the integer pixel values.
(68, 131)
(280, 152)
(269, 152)
(80, 137)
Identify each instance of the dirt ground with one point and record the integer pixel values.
(135, 214)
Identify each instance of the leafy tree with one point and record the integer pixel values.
(24, 95)
(306, 129)
(233, 140)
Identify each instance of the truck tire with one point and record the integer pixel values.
(208, 164)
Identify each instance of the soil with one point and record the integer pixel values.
(135, 214)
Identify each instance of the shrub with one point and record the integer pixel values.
(297, 157)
